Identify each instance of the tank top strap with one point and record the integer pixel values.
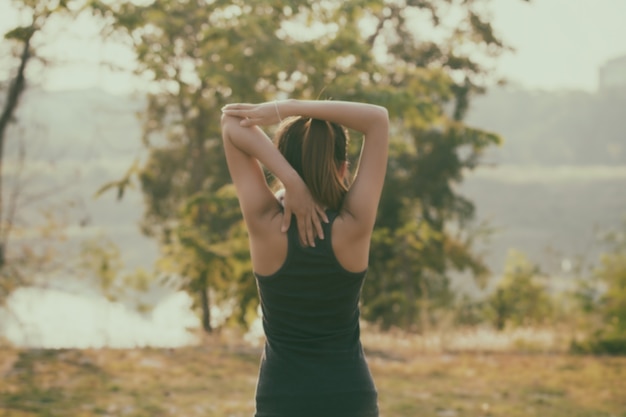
(327, 228)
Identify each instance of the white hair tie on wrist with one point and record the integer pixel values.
(277, 112)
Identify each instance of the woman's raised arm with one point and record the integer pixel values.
(244, 148)
(362, 199)
(361, 202)
(361, 117)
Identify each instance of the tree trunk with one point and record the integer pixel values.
(409, 290)
(501, 313)
(206, 310)
(411, 300)
(424, 306)
(16, 88)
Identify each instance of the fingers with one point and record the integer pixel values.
(317, 224)
(243, 114)
(302, 232)
(322, 214)
(310, 234)
(239, 110)
(309, 216)
(249, 117)
(306, 230)
(286, 220)
(237, 106)
(310, 226)
(247, 122)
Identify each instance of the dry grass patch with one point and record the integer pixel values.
(501, 385)
(217, 379)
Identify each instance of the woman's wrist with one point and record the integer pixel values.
(286, 108)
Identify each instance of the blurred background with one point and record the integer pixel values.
(505, 198)
(497, 279)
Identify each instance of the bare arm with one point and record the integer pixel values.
(244, 148)
(362, 200)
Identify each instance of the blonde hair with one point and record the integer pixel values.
(316, 149)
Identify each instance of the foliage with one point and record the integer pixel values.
(21, 260)
(520, 297)
(200, 55)
(422, 229)
(36, 252)
(100, 263)
(609, 335)
(194, 53)
(612, 272)
(218, 240)
(469, 312)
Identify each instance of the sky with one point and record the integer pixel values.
(560, 44)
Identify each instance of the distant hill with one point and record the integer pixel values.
(554, 128)
(551, 214)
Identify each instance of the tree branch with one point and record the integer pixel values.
(16, 88)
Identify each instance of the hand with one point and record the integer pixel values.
(254, 114)
(309, 215)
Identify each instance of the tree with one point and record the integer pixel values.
(22, 35)
(423, 232)
(200, 55)
(194, 52)
(22, 38)
(100, 263)
(520, 297)
(608, 300)
(612, 272)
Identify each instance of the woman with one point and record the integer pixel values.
(309, 274)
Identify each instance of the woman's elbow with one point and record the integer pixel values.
(225, 120)
(227, 124)
(379, 120)
(378, 117)
(382, 114)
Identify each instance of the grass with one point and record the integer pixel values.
(217, 378)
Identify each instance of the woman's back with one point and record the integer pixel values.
(313, 355)
(310, 278)
(269, 252)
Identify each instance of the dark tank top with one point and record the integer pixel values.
(313, 363)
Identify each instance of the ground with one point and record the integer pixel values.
(217, 379)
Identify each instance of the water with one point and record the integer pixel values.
(534, 208)
(51, 318)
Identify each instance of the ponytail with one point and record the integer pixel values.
(316, 149)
